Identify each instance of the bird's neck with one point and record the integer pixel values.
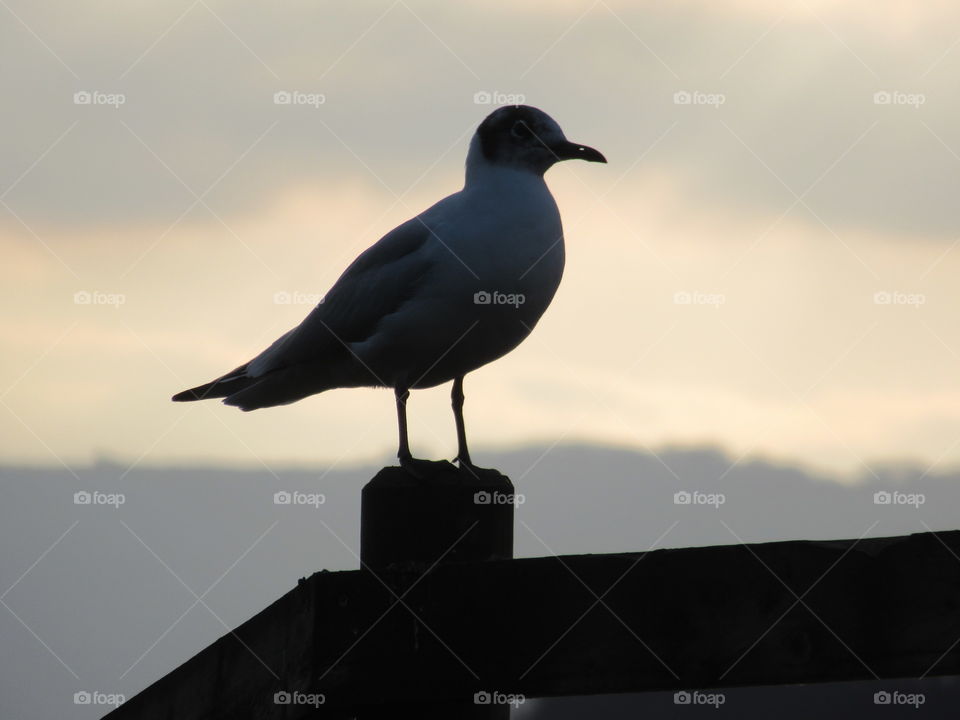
(481, 171)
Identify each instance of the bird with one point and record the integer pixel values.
(444, 293)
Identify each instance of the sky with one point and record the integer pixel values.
(766, 264)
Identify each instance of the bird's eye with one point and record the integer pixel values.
(520, 130)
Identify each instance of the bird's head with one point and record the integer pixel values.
(525, 138)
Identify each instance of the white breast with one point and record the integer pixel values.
(504, 232)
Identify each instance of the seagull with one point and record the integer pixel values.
(452, 289)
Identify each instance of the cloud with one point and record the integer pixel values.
(398, 84)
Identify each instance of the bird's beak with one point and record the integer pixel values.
(567, 150)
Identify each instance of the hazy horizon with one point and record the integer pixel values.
(905, 467)
(101, 595)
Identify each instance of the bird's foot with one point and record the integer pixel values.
(465, 465)
(424, 469)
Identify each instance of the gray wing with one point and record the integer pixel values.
(375, 285)
(315, 356)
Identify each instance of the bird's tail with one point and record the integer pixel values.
(228, 384)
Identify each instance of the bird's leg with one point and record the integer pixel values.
(463, 455)
(420, 469)
(456, 399)
(403, 453)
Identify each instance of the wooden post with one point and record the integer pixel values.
(448, 515)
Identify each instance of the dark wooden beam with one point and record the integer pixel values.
(774, 613)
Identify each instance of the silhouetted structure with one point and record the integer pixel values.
(445, 516)
(435, 617)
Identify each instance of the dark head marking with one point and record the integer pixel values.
(524, 137)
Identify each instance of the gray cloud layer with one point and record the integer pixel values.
(100, 599)
(399, 95)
